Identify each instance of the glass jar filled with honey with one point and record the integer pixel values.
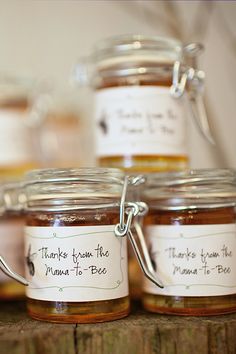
(75, 244)
(63, 139)
(191, 234)
(142, 85)
(11, 239)
(18, 150)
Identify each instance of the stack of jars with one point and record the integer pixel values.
(180, 222)
(146, 90)
(77, 223)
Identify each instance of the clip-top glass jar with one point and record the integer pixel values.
(76, 266)
(75, 244)
(140, 108)
(191, 235)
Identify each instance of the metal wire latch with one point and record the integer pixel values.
(9, 272)
(194, 78)
(125, 228)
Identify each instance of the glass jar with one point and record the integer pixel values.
(11, 239)
(191, 234)
(76, 264)
(140, 105)
(63, 140)
(17, 149)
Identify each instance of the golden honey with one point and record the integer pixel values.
(190, 230)
(75, 264)
(140, 125)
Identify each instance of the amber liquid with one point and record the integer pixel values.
(141, 163)
(11, 290)
(10, 172)
(146, 163)
(183, 305)
(77, 312)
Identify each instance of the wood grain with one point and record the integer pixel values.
(140, 333)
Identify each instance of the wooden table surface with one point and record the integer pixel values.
(139, 333)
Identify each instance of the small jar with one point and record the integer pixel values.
(75, 264)
(191, 234)
(63, 140)
(140, 105)
(17, 149)
(11, 239)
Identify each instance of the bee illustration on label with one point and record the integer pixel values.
(102, 123)
(29, 261)
(152, 257)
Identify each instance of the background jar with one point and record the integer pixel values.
(11, 239)
(76, 266)
(63, 134)
(18, 147)
(191, 235)
(140, 106)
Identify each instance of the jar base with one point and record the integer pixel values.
(190, 306)
(145, 163)
(11, 290)
(78, 312)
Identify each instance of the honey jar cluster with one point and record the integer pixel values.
(180, 223)
(77, 223)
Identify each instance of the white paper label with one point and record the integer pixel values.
(78, 263)
(141, 120)
(193, 260)
(12, 246)
(15, 144)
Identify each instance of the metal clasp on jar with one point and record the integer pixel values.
(12, 193)
(195, 79)
(131, 210)
(8, 271)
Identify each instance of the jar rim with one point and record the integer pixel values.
(68, 189)
(48, 175)
(197, 176)
(136, 42)
(11, 197)
(191, 189)
(117, 49)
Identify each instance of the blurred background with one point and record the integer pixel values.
(41, 42)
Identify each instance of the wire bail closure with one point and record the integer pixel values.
(9, 272)
(195, 79)
(11, 202)
(179, 82)
(124, 228)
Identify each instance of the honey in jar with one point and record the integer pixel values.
(145, 89)
(191, 234)
(140, 105)
(75, 264)
(17, 150)
(63, 140)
